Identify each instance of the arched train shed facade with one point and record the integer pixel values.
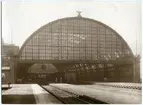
(81, 47)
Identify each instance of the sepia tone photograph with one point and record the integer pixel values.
(71, 52)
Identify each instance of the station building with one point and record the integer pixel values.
(82, 49)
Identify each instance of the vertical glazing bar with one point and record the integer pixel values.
(51, 41)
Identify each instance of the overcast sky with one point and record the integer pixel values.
(21, 19)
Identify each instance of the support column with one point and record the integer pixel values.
(136, 70)
(13, 65)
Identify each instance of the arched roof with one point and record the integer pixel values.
(37, 68)
(78, 37)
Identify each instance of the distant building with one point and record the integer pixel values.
(8, 51)
(42, 73)
(6, 74)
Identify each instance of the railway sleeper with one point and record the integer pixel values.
(82, 98)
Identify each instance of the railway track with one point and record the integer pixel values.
(70, 98)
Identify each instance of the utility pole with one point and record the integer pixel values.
(11, 34)
(136, 44)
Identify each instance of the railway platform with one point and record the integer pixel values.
(59, 93)
(28, 94)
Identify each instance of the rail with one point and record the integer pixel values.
(70, 98)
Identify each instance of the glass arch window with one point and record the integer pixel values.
(74, 38)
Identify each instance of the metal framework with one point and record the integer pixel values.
(74, 38)
(93, 44)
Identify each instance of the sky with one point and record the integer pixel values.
(22, 17)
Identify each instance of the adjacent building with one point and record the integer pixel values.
(9, 51)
